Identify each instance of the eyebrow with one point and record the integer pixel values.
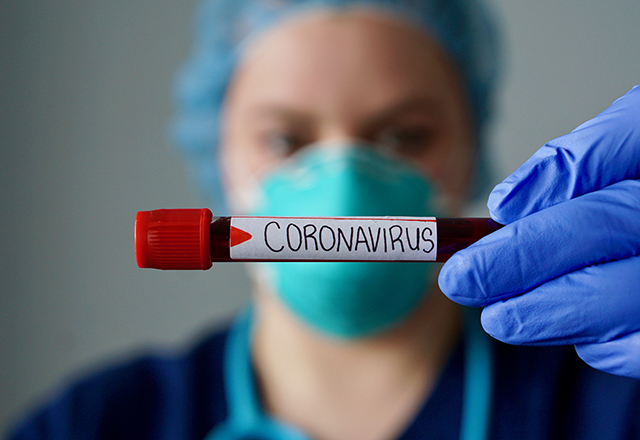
(395, 110)
(430, 105)
(284, 112)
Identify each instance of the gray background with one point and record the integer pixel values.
(84, 100)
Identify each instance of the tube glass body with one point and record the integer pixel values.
(453, 234)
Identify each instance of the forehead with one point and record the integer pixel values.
(362, 56)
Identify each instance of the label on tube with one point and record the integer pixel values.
(344, 238)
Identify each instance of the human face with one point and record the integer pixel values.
(342, 76)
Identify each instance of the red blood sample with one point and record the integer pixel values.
(193, 239)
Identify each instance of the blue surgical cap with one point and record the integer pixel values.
(464, 29)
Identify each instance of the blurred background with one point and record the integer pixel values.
(84, 103)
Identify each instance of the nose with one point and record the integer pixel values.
(330, 142)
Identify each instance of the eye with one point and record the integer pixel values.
(282, 143)
(411, 140)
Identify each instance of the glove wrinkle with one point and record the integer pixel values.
(581, 314)
(613, 356)
(593, 156)
(592, 229)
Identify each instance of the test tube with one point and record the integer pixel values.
(183, 239)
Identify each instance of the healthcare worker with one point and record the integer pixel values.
(379, 108)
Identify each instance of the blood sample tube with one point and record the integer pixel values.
(193, 238)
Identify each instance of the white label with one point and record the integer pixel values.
(331, 238)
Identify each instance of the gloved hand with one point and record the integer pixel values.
(566, 267)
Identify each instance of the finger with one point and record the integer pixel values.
(620, 356)
(593, 305)
(594, 228)
(596, 154)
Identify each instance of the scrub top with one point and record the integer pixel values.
(538, 393)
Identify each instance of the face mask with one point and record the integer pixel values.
(347, 300)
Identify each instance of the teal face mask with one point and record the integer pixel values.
(348, 300)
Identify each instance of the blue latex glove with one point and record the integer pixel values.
(566, 268)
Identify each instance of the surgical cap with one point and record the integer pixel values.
(464, 29)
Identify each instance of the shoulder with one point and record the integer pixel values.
(180, 394)
(549, 392)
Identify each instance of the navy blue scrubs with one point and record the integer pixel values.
(539, 393)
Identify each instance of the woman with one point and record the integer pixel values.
(344, 110)
(352, 108)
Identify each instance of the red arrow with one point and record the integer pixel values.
(237, 236)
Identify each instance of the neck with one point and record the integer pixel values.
(363, 389)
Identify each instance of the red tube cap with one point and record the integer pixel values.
(173, 239)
